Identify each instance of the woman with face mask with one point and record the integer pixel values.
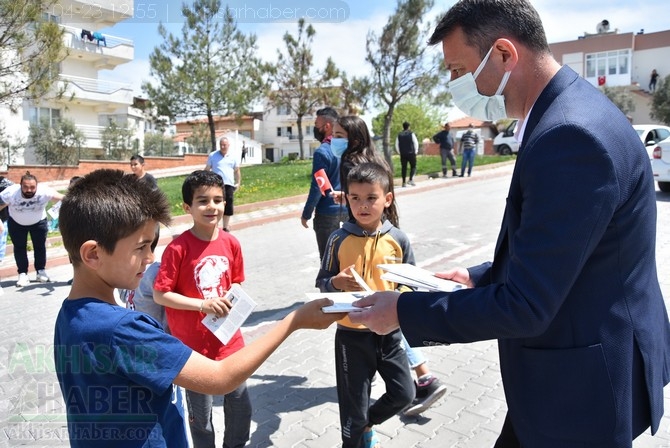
(353, 145)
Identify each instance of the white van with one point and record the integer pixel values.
(504, 143)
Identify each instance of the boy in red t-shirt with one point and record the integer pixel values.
(202, 264)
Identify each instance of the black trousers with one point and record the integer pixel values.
(404, 160)
(38, 235)
(358, 355)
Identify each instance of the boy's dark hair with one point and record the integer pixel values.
(405, 126)
(197, 179)
(74, 180)
(106, 206)
(376, 173)
(137, 157)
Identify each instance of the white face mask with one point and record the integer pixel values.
(467, 98)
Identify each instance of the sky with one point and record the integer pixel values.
(343, 26)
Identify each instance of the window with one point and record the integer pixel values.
(608, 63)
(37, 114)
(283, 109)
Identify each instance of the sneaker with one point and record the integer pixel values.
(42, 276)
(427, 393)
(404, 184)
(411, 182)
(23, 280)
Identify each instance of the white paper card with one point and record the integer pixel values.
(225, 327)
(341, 300)
(410, 275)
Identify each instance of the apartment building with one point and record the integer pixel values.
(94, 101)
(280, 133)
(616, 59)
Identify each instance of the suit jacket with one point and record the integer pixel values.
(572, 293)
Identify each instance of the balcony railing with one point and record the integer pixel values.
(96, 91)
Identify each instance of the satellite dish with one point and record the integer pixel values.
(603, 27)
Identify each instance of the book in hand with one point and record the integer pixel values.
(342, 301)
(416, 277)
(225, 327)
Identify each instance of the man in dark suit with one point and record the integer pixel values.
(572, 294)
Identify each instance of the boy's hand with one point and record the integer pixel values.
(219, 306)
(311, 316)
(345, 281)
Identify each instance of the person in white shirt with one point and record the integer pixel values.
(27, 203)
(226, 166)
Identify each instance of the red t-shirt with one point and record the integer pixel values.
(196, 268)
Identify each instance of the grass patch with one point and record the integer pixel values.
(279, 180)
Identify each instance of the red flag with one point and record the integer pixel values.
(602, 80)
(322, 181)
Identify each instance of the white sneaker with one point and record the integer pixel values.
(42, 276)
(23, 280)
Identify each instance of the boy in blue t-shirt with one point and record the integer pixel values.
(116, 367)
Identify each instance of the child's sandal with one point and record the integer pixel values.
(371, 440)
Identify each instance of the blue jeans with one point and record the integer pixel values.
(469, 159)
(324, 225)
(236, 418)
(19, 236)
(414, 356)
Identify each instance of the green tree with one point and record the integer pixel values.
(401, 65)
(117, 141)
(621, 97)
(199, 139)
(423, 118)
(8, 147)
(660, 103)
(298, 87)
(211, 69)
(30, 48)
(56, 144)
(157, 144)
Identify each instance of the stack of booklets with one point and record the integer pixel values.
(416, 277)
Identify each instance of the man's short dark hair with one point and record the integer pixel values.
(137, 157)
(484, 21)
(328, 113)
(106, 206)
(405, 125)
(197, 179)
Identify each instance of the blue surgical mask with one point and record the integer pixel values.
(467, 98)
(338, 146)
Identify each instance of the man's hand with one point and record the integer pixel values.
(338, 197)
(458, 275)
(382, 316)
(304, 222)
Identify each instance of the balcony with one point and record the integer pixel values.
(103, 95)
(102, 13)
(116, 51)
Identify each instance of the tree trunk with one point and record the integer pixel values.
(212, 130)
(386, 138)
(300, 136)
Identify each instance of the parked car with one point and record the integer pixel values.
(660, 165)
(651, 134)
(505, 143)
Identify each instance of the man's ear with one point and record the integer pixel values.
(89, 252)
(509, 53)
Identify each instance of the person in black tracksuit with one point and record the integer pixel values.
(446, 141)
(407, 146)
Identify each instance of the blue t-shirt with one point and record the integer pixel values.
(115, 368)
(224, 166)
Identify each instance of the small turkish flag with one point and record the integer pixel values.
(322, 181)
(601, 80)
